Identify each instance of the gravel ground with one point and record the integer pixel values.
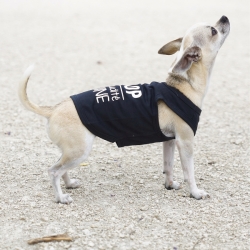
(122, 203)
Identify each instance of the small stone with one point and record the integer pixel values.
(237, 142)
(157, 216)
(122, 235)
(144, 208)
(86, 232)
(91, 244)
(33, 204)
(84, 164)
(25, 198)
(211, 162)
(44, 219)
(71, 231)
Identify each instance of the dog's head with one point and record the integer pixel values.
(197, 50)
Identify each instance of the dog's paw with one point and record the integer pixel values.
(174, 185)
(65, 199)
(199, 194)
(74, 183)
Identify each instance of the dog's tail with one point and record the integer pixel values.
(41, 110)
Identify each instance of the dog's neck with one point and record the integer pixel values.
(195, 89)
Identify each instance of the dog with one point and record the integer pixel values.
(188, 77)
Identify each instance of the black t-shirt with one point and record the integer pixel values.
(128, 115)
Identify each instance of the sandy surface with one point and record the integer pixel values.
(122, 203)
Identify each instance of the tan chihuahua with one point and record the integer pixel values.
(188, 79)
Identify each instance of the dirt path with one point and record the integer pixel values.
(122, 203)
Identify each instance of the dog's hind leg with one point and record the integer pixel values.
(70, 183)
(71, 157)
(60, 170)
(67, 131)
(55, 181)
(168, 163)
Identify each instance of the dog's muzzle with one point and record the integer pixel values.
(224, 19)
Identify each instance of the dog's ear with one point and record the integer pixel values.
(171, 47)
(190, 55)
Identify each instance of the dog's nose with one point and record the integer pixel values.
(223, 19)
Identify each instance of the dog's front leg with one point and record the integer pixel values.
(168, 163)
(185, 147)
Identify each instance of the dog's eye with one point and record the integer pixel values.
(214, 31)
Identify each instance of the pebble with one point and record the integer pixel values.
(144, 208)
(86, 232)
(25, 198)
(45, 219)
(101, 247)
(91, 244)
(122, 235)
